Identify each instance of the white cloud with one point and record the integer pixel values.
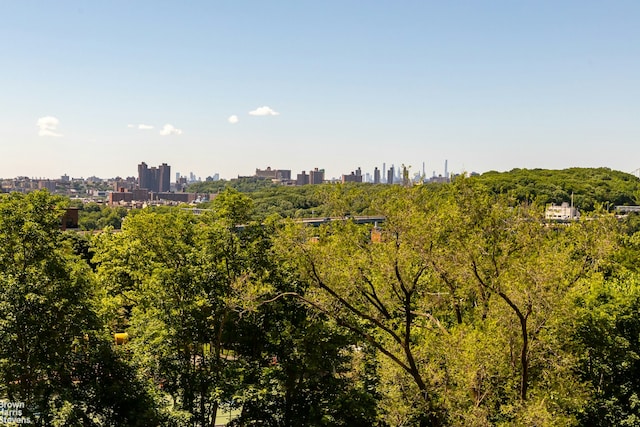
(130, 126)
(233, 119)
(263, 111)
(169, 129)
(48, 126)
(145, 127)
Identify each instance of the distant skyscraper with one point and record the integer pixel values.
(376, 175)
(316, 176)
(143, 175)
(390, 175)
(154, 179)
(164, 178)
(302, 178)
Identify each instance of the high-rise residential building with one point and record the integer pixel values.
(302, 178)
(353, 177)
(143, 175)
(376, 175)
(154, 179)
(164, 178)
(284, 174)
(48, 184)
(316, 176)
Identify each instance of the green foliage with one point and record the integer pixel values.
(233, 207)
(589, 186)
(54, 356)
(607, 333)
(325, 200)
(301, 369)
(456, 267)
(93, 216)
(188, 290)
(242, 184)
(462, 308)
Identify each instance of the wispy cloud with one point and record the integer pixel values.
(48, 126)
(233, 119)
(263, 111)
(169, 129)
(140, 126)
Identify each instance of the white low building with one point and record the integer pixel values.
(564, 212)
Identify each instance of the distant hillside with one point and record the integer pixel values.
(590, 186)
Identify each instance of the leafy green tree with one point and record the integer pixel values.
(295, 366)
(587, 186)
(93, 216)
(300, 369)
(456, 268)
(607, 327)
(172, 281)
(194, 293)
(377, 291)
(530, 268)
(54, 356)
(158, 291)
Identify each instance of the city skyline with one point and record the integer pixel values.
(209, 87)
(160, 173)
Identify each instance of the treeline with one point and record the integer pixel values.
(588, 187)
(463, 308)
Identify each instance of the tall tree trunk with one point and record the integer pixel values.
(524, 359)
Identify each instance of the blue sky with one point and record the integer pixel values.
(94, 88)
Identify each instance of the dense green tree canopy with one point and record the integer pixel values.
(463, 307)
(588, 186)
(459, 268)
(55, 357)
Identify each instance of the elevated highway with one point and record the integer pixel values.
(356, 219)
